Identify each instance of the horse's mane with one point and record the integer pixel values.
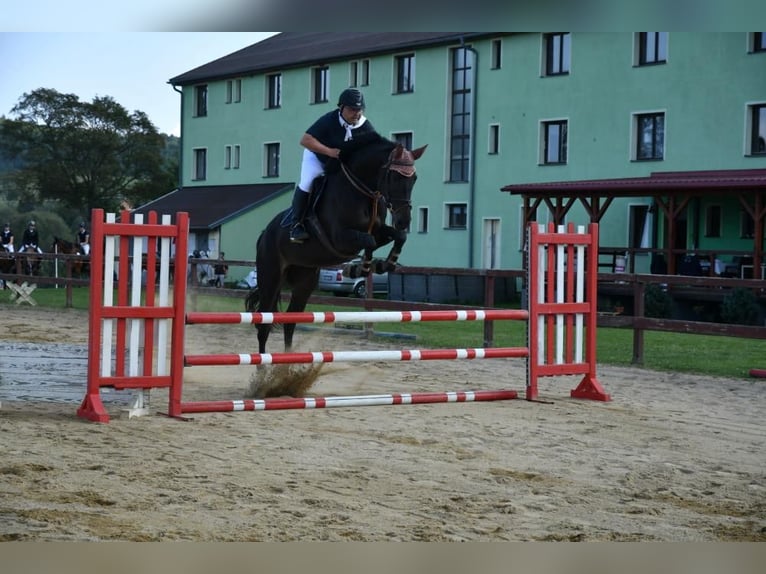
(366, 141)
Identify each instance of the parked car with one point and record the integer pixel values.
(332, 279)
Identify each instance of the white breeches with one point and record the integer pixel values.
(85, 247)
(311, 167)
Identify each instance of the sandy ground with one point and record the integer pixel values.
(671, 458)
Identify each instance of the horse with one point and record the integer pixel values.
(59, 245)
(372, 177)
(7, 262)
(29, 259)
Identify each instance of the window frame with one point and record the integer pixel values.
(462, 70)
(271, 160)
(493, 145)
(562, 151)
(423, 219)
(496, 54)
(637, 135)
(404, 73)
(274, 91)
(227, 154)
(757, 43)
(657, 41)
(452, 217)
(199, 164)
(320, 84)
(756, 118)
(404, 138)
(563, 52)
(200, 100)
(713, 220)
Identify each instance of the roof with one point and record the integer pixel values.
(210, 206)
(660, 182)
(296, 49)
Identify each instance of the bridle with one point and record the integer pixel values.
(405, 166)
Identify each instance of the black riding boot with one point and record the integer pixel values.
(298, 233)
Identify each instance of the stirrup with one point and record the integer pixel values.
(298, 233)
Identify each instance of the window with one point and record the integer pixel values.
(461, 110)
(405, 74)
(558, 48)
(422, 220)
(273, 91)
(272, 159)
(320, 78)
(404, 138)
(758, 42)
(652, 48)
(359, 73)
(233, 91)
(227, 157)
(746, 224)
(713, 221)
(554, 142)
(639, 228)
(496, 54)
(757, 115)
(200, 164)
(650, 136)
(494, 139)
(235, 159)
(457, 215)
(200, 100)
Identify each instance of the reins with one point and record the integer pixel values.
(407, 169)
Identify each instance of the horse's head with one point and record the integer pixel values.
(397, 178)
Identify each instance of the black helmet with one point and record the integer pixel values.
(82, 224)
(352, 98)
(32, 223)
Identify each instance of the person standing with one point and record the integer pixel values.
(322, 142)
(7, 238)
(83, 238)
(220, 270)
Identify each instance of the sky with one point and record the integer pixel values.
(131, 67)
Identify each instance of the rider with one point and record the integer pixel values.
(322, 141)
(83, 238)
(31, 238)
(7, 237)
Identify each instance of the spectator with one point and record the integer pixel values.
(7, 238)
(220, 270)
(83, 238)
(31, 238)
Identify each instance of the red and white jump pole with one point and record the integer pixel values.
(561, 322)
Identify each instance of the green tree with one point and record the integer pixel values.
(83, 154)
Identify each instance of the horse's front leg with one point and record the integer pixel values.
(399, 237)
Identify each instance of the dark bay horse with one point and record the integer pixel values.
(374, 177)
(30, 260)
(79, 267)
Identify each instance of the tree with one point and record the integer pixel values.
(84, 154)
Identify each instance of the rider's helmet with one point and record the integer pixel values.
(82, 225)
(32, 223)
(7, 225)
(352, 98)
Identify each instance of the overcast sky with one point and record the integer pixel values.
(131, 67)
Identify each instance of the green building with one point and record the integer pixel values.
(658, 136)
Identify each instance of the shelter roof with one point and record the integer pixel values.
(209, 206)
(658, 183)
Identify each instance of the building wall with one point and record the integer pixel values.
(703, 89)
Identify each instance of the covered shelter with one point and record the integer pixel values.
(671, 194)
